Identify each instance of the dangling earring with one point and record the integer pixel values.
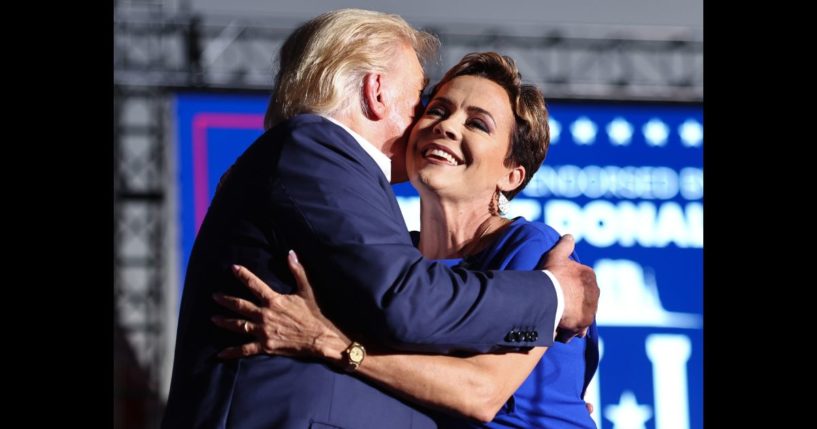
(503, 204)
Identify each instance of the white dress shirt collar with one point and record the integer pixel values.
(382, 161)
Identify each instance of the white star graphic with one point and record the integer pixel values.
(628, 414)
(584, 131)
(620, 132)
(656, 132)
(555, 130)
(692, 133)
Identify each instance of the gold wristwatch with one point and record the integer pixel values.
(353, 355)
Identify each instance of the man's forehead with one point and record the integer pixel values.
(418, 76)
(408, 63)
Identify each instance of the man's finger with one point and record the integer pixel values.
(564, 247)
(256, 285)
(561, 251)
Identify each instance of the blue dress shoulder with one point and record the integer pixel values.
(551, 396)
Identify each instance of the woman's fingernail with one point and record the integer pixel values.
(293, 256)
(236, 269)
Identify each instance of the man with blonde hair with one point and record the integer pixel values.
(317, 181)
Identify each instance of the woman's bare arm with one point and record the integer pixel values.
(474, 387)
(292, 325)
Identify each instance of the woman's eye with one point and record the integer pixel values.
(479, 124)
(435, 111)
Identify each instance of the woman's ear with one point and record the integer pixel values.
(513, 179)
(373, 96)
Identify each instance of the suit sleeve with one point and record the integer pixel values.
(338, 213)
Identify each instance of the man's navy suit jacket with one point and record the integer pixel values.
(307, 185)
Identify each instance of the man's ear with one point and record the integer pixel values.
(513, 179)
(373, 96)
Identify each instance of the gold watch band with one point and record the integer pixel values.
(353, 356)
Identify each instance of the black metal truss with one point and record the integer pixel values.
(140, 232)
(182, 51)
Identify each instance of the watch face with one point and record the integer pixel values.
(356, 355)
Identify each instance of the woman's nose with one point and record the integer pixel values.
(446, 128)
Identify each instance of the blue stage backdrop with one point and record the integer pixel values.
(625, 179)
